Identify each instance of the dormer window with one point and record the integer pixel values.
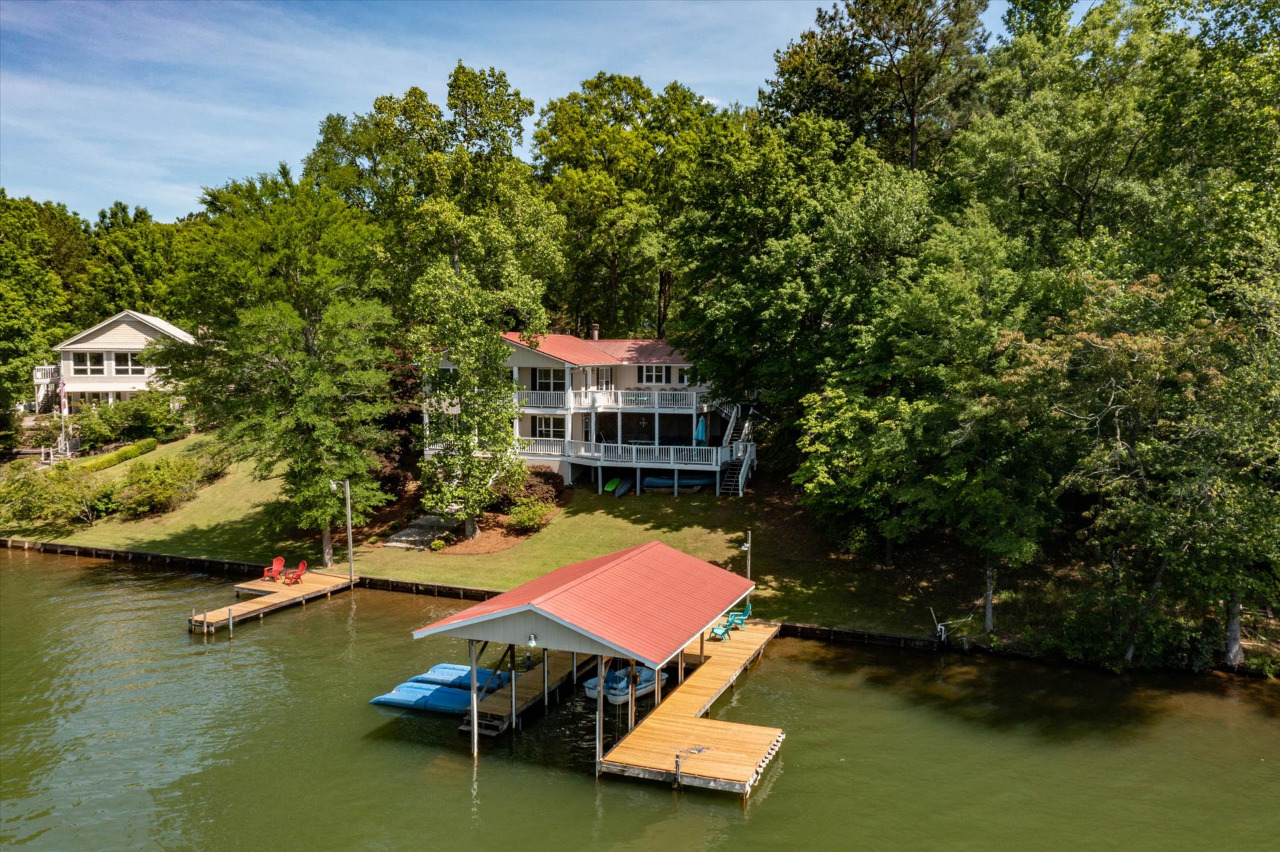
(88, 364)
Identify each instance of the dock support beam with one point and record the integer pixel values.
(475, 704)
(511, 667)
(600, 661)
(631, 702)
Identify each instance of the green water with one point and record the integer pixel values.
(119, 731)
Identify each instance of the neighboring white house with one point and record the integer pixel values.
(100, 365)
(629, 409)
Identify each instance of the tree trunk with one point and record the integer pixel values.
(888, 552)
(326, 546)
(1235, 651)
(1142, 614)
(666, 288)
(915, 137)
(469, 528)
(989, 620)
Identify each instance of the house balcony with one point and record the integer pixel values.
(541, 399)
(45, 374)
(649, 399)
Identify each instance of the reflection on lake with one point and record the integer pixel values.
(118, 730)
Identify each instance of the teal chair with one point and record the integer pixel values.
(721, 631)
(737, 619)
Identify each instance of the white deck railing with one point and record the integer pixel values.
(45, 373)
(663, 400)
(540, 399)
(629, 454)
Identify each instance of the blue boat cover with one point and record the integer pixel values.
(459, 677)
(426, 696)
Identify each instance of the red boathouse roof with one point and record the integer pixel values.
(644, 603)
(579, 352)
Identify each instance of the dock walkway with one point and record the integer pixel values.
(495, 708)
(675, 743)
(269, 597)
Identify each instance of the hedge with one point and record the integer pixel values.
(114, 457)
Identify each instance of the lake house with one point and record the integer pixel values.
(632, 410)
(100, 364)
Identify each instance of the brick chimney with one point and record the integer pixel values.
(595, 331)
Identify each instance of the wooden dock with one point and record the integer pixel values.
(269, 596)
(495, 708)
(675, 743)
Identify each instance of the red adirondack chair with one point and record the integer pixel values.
(275, 570)
(294, 575)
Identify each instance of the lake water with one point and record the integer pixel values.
(118, 730)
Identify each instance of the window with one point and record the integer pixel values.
(87, 364)
(127, 364)
(655, 375)
(683, 376)
(548, 427)
(604, 378)
(548, 380)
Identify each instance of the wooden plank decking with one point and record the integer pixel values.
(674, 743)
(495, 708)
(269, 597)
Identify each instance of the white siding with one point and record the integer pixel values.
(126, 334)
(515, 629)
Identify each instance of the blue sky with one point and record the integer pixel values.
(148, 102)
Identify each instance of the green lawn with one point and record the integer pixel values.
(798, 578)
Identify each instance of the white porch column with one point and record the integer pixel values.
(618, 439)
(676, 480)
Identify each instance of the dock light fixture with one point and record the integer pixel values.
(351, 555)
(533, 640)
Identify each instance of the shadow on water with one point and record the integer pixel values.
(1055, 703)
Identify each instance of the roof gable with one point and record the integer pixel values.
(166, 328)
(644, 603)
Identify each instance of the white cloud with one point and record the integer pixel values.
(146, 102)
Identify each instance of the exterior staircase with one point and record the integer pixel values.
(732, 479)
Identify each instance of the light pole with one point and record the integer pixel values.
(351, 555)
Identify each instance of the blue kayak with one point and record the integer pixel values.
(623, 487)
(459, 677)
(426, 696)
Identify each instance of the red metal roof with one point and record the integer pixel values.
(647, 602)
(579, 352)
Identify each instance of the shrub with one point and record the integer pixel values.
(212, 461)
(437, 545)
(111, 459)
(93, 428)
(60, 495)
(151, 488)
(45, 432)
(529, 514)
(540, 483)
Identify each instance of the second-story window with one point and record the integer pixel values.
(548, 427)
(87, 364)
(548, 380)
(650, 375)
(127, 364)
(683, 376)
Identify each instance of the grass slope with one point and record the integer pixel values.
(798, 578)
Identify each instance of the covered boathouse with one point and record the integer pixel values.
(651, 605)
